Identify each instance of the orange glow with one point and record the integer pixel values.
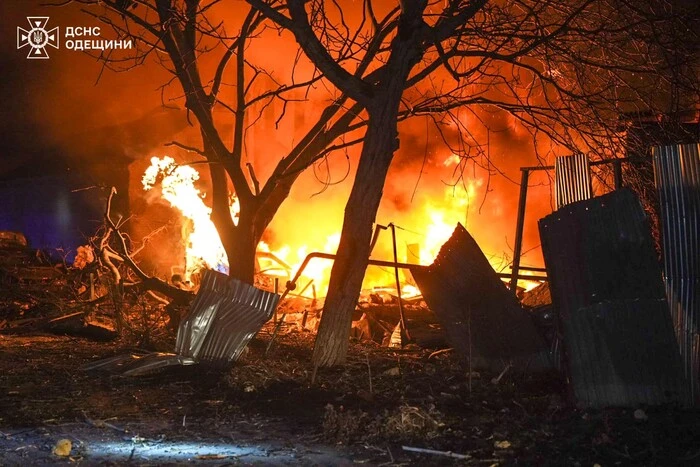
(434, 220)
(444, 214)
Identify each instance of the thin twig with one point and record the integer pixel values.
(369, 373)
(440, 352)
(437, 453)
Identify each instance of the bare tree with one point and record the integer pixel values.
(564, 69)
(179, 35)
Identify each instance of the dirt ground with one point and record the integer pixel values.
(267, 411)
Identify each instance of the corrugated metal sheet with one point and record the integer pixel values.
(225, 314)
(572, 180)
(600, 250)
(601, 262)
(473, 304)
(677, 174)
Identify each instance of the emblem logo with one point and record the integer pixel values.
(37, 37)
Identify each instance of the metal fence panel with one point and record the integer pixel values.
(677, 174)
(600, 250)
(480, 316)
(622, 353)
(601, 262)
(572, 180)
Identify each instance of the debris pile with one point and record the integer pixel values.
(39, 292)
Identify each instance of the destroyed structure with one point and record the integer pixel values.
(620, 327)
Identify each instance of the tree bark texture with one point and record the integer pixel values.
(381, 141)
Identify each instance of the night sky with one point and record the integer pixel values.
(62, 131)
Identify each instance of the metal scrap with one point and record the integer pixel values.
(572, 179)
(606, 287)
(677, 174)
(480, 317)
(224, 316)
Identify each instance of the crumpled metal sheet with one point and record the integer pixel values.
(607, 289)
(239, 311)
(114, 362)
(225, 314)
(155, 361)
(139, 363)
(478, 313)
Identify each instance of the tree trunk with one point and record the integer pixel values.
(239, 241)
(240, 253)
(381, 140)
(354, 249)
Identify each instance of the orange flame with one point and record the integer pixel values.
(177, 184)
(435, 221)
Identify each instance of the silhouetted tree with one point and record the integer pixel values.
(184, 37)
(564, 69)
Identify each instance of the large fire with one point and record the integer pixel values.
(434, 220)
(177, 183)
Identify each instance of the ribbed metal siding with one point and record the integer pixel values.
(607, 287)
(572, 180)
(223, 317)
(677, 174)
